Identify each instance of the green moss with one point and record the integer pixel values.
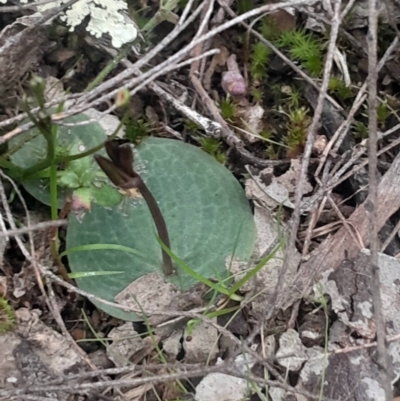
(7, 316)
(136, 129)
(259, 56)
(228, 109)
(303, 47)
(297, 127)
(337, 86)
(212, 147)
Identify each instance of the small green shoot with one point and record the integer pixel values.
(360, 130)
(259, 55)
(137, 129)
(271, 153)
(191, 126)
(213, 147)
(257, 94)
(244, 6)
(336, 85)
(383, 112)
(268, 28)
(92, 274)
(293, 97)
(7, 316)
(228, 109)
(100, 247)
(297, 127)
(303, 47)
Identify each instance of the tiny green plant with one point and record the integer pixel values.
(213, 147)
(271, 153)
(257, 94)
(228, 109)
(303, 47)
(268, 28)
(297, 126)
(383, 112)
(336, 85)
(7, 316)
(136, 129)
(191, 125)
(259, 55)
(360, 130)
(244, 5)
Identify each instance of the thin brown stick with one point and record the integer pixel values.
(34, 227)
(295, 220)
(371, 202)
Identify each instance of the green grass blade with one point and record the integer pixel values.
(255, 269)
(192, 273)
(101, 247)
(91, 274)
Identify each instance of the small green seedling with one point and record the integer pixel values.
(303, 47)
(228, 109)
(213, 147)
(336, 85)
(7, 316)
(259, 56)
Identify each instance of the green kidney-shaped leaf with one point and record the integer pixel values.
(69, 139)
(206, 212)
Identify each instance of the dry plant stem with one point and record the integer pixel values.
(346, 224)
(229, 367)
(338, 137)
(141, 81)
(11, 221)
(332, 250)
(54, 102)
(315, 214)
(35, 227)
(160, 378)
(289, 258)
(53, 307)
(371, 204)
(205, 16)
(340, 177)
(56, 118)
(278, 298)
(185, 12)
(390, 237)
(61, 325)
(211, 128)
(198, 67)
(347, 9)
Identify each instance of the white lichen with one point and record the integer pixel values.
(106, 17)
